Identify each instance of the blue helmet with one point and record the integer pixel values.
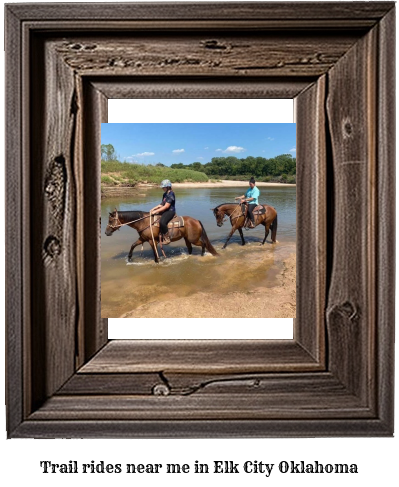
(166, 184)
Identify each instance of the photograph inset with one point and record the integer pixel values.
(200, 228)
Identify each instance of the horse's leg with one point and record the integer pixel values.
(229, 237)
(267, 227)
(189, 246)
(201, 244)
(153, 249)
(242, 236)
(137, 242)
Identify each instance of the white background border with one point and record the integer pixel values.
(377, 458)
(200, 111)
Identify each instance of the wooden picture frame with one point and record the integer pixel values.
(64, 378)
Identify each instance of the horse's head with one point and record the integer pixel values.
(113, 223)
(219, 215)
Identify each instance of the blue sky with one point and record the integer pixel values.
(171, 143)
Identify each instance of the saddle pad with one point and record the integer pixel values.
(175, 222)
(259, 210)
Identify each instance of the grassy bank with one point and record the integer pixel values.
(115, 173)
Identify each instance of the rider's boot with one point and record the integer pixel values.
(165, 239)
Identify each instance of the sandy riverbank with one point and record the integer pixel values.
(264, 302)
(116, 191)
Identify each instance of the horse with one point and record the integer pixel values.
(237, 220)
(193, 231)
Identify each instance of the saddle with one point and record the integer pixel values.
(259, 210)
(175, 222)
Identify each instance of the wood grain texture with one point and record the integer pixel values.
(248, 406)
(200, 356)
(242, 54)
(250, 428)
(14, 262)
(385, 249)
(360, 12)
(255, 397)
(175, 87)
(185, 384)
(68, 60)
(95, 330)
(311, 218)
(352, 126)
(53, 213)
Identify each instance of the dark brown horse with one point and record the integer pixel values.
(193, 231)
(237, 220)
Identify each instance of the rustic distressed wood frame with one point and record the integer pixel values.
(64, 378)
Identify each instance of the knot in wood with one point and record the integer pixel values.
(213, 44)
(347, 128)
(161, 390)
(90, 47)
(50, 188)
(52, 246)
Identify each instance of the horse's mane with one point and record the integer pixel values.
(133, 215)
(226, 204)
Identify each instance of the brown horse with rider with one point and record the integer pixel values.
(238, 217)
(193, 231)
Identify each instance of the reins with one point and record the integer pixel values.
(153, 240)
(239, 206)
(226, 216)
(118, 227)
(128, 223)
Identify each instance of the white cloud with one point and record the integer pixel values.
(206, 147)
(293, 149)
(234, 149)
(145, 154)
(130, 159)
(218, 150)
(178, 151)
(270, 138)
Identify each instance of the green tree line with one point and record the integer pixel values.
(281, 168)
(283, 165)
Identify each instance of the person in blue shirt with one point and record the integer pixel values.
(251, 197)
(167, 209)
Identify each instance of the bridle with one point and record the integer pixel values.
(118, 227)
(115, 218)
(226, 216)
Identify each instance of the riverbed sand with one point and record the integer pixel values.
(275, 302)
(123, 191)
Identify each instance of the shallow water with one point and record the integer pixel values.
(128, 285)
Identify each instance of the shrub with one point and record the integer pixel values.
(150, 174)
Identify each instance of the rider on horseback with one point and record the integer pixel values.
(252, 196)
(167, 209)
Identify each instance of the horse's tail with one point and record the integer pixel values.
(274, 229)
(205, 240)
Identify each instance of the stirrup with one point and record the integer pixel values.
(165, 240)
